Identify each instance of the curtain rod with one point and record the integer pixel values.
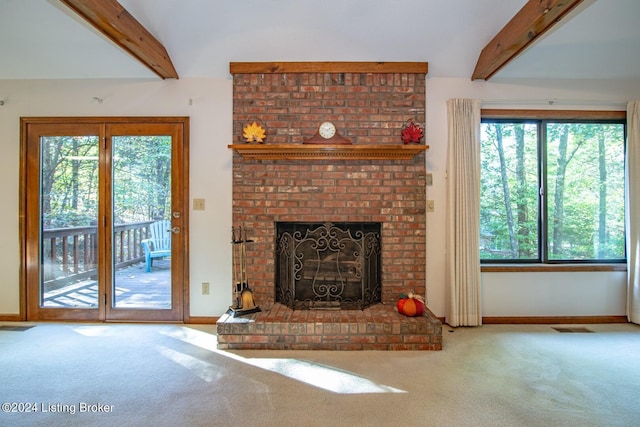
(556, 101)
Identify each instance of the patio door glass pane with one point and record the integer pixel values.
(68, 218)
(141, 221)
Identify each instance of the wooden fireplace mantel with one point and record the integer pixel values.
(328, 152)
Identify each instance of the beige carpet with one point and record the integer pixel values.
(172, 375)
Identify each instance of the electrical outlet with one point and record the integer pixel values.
(198, 204)
(430, 206)
(429, 179)
(205, 288)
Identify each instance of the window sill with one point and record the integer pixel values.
(526, 268)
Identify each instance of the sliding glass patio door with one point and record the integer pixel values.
(104, 219)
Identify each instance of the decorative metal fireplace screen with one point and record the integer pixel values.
(328, 265)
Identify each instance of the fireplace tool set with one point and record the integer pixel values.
(243, 295)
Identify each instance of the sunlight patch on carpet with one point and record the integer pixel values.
(317, 375)
(94, 331)
(202, 369)
(322, 376)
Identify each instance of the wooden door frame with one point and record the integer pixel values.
(181, 161)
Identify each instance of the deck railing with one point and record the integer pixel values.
(70, 254)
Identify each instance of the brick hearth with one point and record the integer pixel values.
(379, 327)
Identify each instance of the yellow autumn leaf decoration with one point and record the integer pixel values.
(254, 133)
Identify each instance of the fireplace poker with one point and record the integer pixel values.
(238, 285)
(246, 296)
(243, 259)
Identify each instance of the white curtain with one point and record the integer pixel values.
(633, 211)
(463, 214)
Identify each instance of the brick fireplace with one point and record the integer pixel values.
(369, 104)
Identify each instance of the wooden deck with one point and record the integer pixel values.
(135, 289)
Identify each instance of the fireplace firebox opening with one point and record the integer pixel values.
(328, 265)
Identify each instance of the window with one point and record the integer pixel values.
(552, 190)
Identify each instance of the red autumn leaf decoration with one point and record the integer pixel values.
(412, 133)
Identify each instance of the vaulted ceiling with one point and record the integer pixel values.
(598, 39)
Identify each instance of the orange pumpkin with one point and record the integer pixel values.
(410, 307)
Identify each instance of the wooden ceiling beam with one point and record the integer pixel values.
(114, 21)
(534, 19)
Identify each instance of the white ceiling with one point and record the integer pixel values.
(43, 39)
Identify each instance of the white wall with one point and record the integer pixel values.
(554, 294)
(504, 294)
